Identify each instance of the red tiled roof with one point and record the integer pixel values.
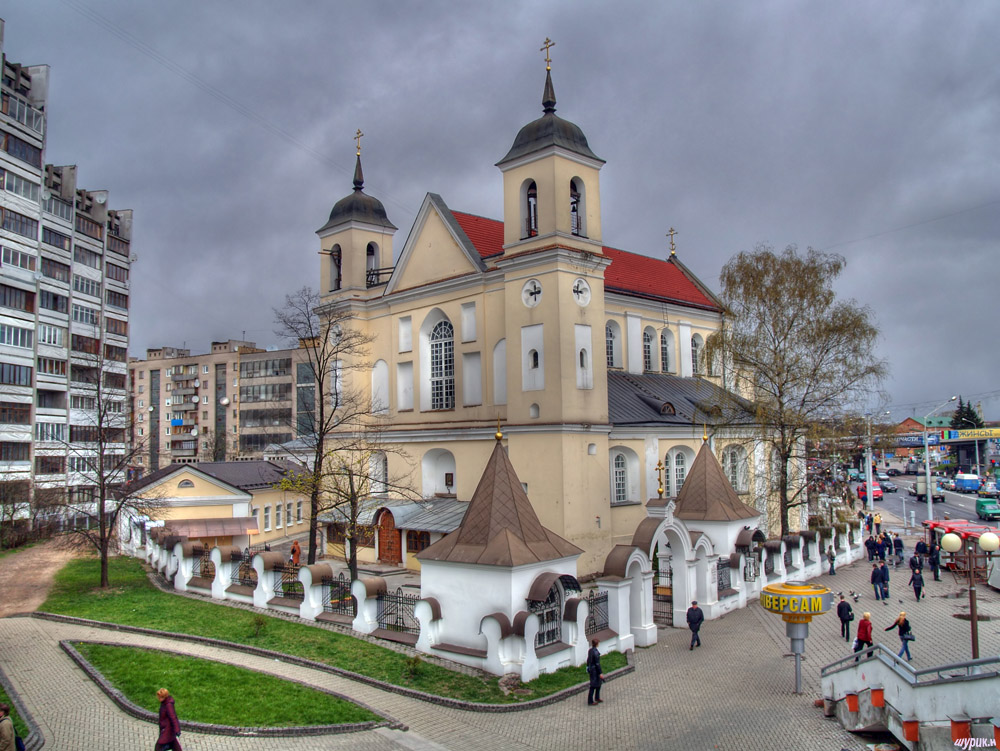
(486, 234)
(630, 273)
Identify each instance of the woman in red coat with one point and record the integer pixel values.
(864, 634)
(170, 728)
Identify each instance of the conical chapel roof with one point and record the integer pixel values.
(500, 527)
(707, 495)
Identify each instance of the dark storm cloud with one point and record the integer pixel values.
(808, 123)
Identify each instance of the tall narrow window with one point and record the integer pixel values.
(647, 350)
(575, 223)
(531, 211)
(620, 479)
(665, 352)
(336, 278)
(443, 366)
(680, 472)
(609, 338)
(696, 347)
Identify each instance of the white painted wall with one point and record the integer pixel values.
(380, 387)
(468, 321)
(684, 349)
(404, 385)
(472, 379)
(633, 336)
(405, 334)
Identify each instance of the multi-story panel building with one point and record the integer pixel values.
(65, 260)
(226, 404)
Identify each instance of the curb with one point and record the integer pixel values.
(302, 662)
(134, 710)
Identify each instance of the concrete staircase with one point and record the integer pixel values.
(944, 707)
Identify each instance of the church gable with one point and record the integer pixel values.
(437, 249)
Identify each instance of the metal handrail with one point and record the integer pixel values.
(912, 675)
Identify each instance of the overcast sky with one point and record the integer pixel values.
(869, 129)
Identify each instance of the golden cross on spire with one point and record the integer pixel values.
(357, 139)
(673, 248)
(659, 477)
(545, 48)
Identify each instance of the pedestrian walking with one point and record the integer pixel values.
(917, 580)
(934, 558)
(864, 634)
(831, 558)
(915, 562)
(695, 618)
(905, 634)
(170, 728)
(876, 580)
(884, 572)
(596, 676)
(880, 546)
(897, 547)
(7, 732)
(869, 523)
(846, 614)
(920, 548)
(870, 547)
(296, 553)
(878, 523)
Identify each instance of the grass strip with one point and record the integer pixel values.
(134, 601)
(216, 692)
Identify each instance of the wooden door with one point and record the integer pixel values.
(390, 545)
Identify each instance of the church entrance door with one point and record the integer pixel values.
(663, 592)
(390, 546)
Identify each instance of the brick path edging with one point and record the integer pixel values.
(35, 739)
(302, 662)
(130, 708)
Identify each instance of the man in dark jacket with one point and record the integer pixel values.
(920, 548)
(876, 580)
(870, 547)
(915, 562)
(695, 618)
(883, 571)
(897, 547)
(934, 558)
(846, 615)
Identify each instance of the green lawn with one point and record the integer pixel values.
(214, 692)
(133, 601)
(19, 726)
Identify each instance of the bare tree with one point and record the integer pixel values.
(15, 493)
(803, 357)
(341, 435)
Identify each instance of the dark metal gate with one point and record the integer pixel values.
(286, 582)
(663, 594)
(337, 596)
(244, 574)
(395, 611)
(597, 612)
(549, 614)
(206, 569)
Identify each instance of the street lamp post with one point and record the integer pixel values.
(988, 543)
(927, 460)
(869, 495)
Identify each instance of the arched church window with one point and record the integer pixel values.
(647, 350)
(734, 466)
(533, 359)
(531, 211)
(443, 366)
(336, 274)
(371, 265)
(380, 473)
(666, 344)
(583, 359)
(576, 208)
(696, 353)
(680, 472)
(612, 337)
(620, 483)
(417, 541)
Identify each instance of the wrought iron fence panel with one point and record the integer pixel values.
(206, 569)
(663, 596)
(395, 611)
(337, 596)
(243, 573)
(597, 612)
(286, 582)
(549, 618)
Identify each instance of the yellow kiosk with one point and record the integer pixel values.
(797, 602)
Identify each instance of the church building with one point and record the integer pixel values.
(591, 357)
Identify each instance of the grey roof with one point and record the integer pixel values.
(549, 130)
(659, 399)
(358, 206)
(252, 475)
(437, 515)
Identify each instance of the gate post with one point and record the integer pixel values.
(366, 592)
(311, 578)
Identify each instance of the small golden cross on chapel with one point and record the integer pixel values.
(545, 48)
(357, 139)
(673, 248)
(659, 477)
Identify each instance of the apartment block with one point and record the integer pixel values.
(228, 404)
(65, 265)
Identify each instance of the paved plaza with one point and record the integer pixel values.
(735, 692)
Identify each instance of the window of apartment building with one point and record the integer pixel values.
(26, 152)
(204, 384)
(50, 431)
(55, 239)
(15, 336)
(169, 387)
(288, 514)
(58, 207)
(15, 452)
(52, 301)
(18, 109)
(18, 258)
(277, 516)
(115, 380)
(15, 375)
(87, 257)
(85, 344)
(204, 369)
(298, 511)
(266, 392)
(118, 245)
(19, 224)
(50, 465)
(83, 374)
(16, 298)
(267, 518)
(89, 227)
(83, 314)
(116, 299)
(51, 399)
(83, 402)
(141, 431)
(142, 402)
(54, 335)
(116, 407)
(51, 366)
(84, 433)
(55, 270)
(15, 413)
(14, 183)
(81, 463)
(115, 354)
(266, 368)
(86, 286)
(116, 272)
(204, 414)
(114, 326)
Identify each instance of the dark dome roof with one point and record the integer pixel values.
(549, 130)
(358, 207)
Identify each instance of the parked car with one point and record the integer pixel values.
(988, 490)
(876, 492)
(881, 476)
(893, 472)
(888, 486)
(987, 508)
(947, 484)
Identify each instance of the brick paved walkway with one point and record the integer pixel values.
(735, 692)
